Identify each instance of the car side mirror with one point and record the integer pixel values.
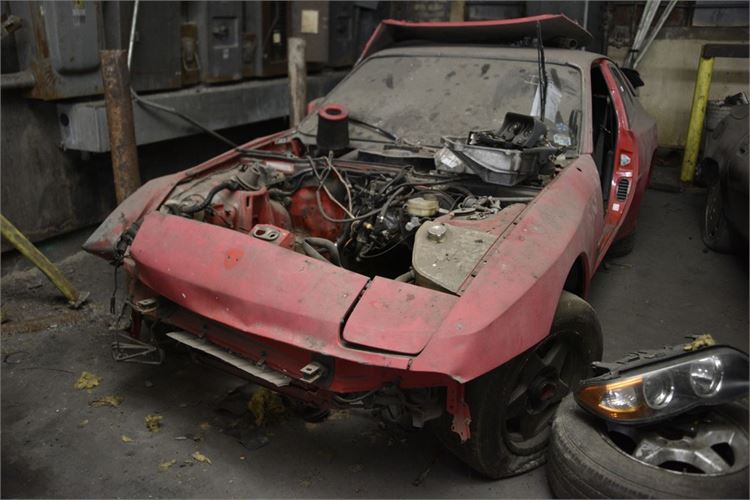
(633, 77)
(313, 105)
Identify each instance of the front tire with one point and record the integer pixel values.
(512, 407)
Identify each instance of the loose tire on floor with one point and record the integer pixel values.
(583, 462)
(512, 406)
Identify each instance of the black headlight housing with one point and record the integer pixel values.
(651, 386)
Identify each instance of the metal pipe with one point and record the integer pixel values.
(649, 14)
(663, 19)
(647, 18)
(297, 80)
(28, 250)
(586, 15)
(132, 32)
(116, 84)
(19, 80)
(697, 115)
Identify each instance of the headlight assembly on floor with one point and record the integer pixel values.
(654, 385)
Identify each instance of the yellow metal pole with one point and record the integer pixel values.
(28, 250)
(697, 115)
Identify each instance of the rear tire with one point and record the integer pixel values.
(717, 234)
(622, 247)
(512, 406)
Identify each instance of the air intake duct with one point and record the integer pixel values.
(333, 128)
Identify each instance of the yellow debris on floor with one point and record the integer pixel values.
(164, 466)
(126, 439)
(265, 406)
(111, 400)
(153, 422)
(87, 380)
(200, 457)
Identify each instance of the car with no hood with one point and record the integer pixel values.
(421, 244)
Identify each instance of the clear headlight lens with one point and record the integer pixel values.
(658, 390)
(706, 376)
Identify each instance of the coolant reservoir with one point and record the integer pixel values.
(422, 207)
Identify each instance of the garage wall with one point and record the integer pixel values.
(670, 65)
(669, 70)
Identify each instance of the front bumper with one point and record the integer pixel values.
(284, 309)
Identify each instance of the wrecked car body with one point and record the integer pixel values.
(398, 261)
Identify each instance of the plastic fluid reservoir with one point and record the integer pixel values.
(426, 206)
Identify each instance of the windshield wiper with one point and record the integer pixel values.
(542, 71)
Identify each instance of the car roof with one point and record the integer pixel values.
(580, 58)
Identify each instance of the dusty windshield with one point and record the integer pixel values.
(421, 98)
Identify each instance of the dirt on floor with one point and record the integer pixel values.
(184, 430)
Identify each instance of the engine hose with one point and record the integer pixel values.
(388, 202)
(407, 277)
(307, 245)
(311, 252)
(229, 184)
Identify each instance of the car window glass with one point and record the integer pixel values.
(423, 97)
(624, 89)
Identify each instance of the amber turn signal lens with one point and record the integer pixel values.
(620, 400)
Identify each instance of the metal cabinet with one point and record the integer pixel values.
(218, 26)
(264, 38)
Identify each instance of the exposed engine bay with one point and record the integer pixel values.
(393, 216)
(402, 212)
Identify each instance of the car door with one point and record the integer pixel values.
(634, 146)
(643, 127)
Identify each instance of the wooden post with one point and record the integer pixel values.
(28, 250)
(297, 80)
(116, 83)
(458, 10)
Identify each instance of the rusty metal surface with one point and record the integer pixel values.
(116, 82)
(18, 80)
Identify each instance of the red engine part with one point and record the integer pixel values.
(306, 214)
(242, 210)
(273, 234)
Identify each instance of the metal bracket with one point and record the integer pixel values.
(135, 351)
(145, 306)
(264, 232)
(456, 406)
(312, 372)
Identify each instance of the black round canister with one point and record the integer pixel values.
(333, 127)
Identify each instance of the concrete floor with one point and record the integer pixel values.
(55, 445)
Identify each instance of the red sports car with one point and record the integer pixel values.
(421, 244)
